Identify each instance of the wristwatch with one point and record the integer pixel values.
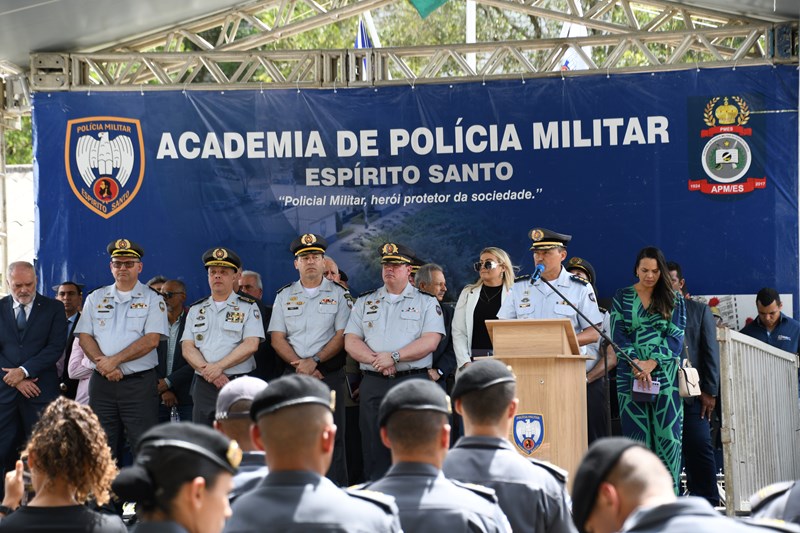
(6, 510)
(396, 357)
(316, 359)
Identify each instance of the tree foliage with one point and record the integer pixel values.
(19, 146)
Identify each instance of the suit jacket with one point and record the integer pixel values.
(269, 365)
(37, 348)
(182, 372)
(701, 341)
(462, 322)
(444, 358)
(69, 385)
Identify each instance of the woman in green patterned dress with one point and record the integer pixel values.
(647, 322)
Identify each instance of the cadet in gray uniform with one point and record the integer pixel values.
(392, 333)
(534, 299)
(531, 493)
(119, 331)
(779, 501)
(222, 333)
(622, 486)
(307, 331)
(414, 424)
(294, 426)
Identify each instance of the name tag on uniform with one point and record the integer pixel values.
(234, 316)
(525, 302)
(139, 305)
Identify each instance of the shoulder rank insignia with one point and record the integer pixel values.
(152, 289)
(559, 473)
(523, 277)
(367, 292)
(769, 493)
(284, 287)
(480, 490)
(579, 280)
(380, 499)
(93, 290)
(340, 285)
(247, 299)
(198, 302)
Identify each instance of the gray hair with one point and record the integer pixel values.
(254, 274)
(19, 264)
(425, 274)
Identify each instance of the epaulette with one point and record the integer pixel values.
(602, 309)
(342, 286)
(201, 300)
(368, 292)
(384, 501)
(769, 493)
(152, 289)
(579, 280)
(772, 524)
(247, 299)
(560, 474)
(522, 278)
(284, 287)
(426, 293)
(480, 490)
(95, 290)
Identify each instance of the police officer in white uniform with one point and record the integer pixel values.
(222, 333)
(534, 299)
(119, 331)
(307, 331)
(392, 333)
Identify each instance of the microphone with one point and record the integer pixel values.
(537, 272)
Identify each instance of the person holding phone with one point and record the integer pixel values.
(647, 322)
(69, 461)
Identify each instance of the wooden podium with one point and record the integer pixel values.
(551, 386)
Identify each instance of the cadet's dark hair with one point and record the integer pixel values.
(488, 406)
(767, 295)
(672, 265)
(409, 429)
(663, 294)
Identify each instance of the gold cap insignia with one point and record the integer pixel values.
(449, 405)
(333, 401)
(220, 253)
(389, 248)
(234, 454)
(122, 244)
(308, 238)
(537, 235)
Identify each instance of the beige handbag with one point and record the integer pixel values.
(688, 380)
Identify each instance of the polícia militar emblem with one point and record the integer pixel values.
(104, 160)
(528, 432)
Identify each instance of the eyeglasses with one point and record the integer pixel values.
(167, 294)
(488, 265)
(123, 264)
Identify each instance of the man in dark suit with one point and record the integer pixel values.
(33, 330)
(174, 374)
(70, 294)
(701, 342)
(268, 365)
(430, 279)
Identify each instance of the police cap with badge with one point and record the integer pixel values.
(224, 257)
(545, 239)
(578, 263)
(394, 253)
(481, 375)
(308, 243)
(413, 395)
(124, 248)
(291, 391)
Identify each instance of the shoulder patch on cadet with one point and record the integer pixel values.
(246, 299)
(579, 280)
(284, 287)
(384, 501)
(367, 292)
(769, 493)
(523, 277)
(480, 490)
(201, 300)
(559, 473)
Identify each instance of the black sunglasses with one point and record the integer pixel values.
(166, 294)
(488, 265)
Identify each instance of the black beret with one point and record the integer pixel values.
(481, 375)
(224, 257)
(124, 248)
(544, 239)
(193, 438)
(291, 390)
(603, 454)
(582, 264)
(414, 395)
(396, 253)
(309, 243)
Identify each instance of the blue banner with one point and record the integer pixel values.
(702, 163)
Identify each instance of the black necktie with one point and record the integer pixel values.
(21, 320)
